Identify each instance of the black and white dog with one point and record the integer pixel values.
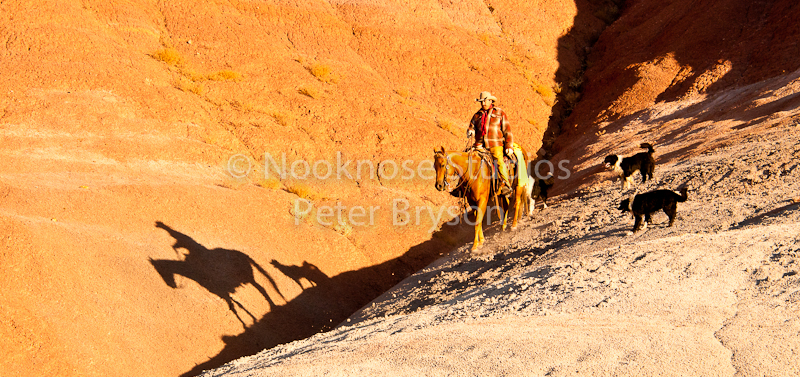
(538, 190)
(650, 202)
(625, 166)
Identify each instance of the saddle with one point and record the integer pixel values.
(487, 157)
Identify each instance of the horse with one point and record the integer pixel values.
(475, 184)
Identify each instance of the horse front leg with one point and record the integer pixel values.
(479, 213)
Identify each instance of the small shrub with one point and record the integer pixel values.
(343, 228)
(231, 184)
(308, 91)
(302, 190)
(544, 90)
(403, 92)
(546, 93)
(320, 71)
(323, 72)
(225, 75)
(270, 183)
(192, 75)
(170, 56)
(576, 83)
(242, 106)
(187, 85)
(283, 118)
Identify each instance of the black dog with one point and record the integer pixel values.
(650, 202)
(625, 166)
(540, 188)
(536, 189)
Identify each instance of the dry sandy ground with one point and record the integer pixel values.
(119, 116)
(571, 292)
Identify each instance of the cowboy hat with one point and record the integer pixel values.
(485, 96)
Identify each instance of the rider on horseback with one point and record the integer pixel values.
(491, 129)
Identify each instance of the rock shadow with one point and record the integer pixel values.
(757, 220)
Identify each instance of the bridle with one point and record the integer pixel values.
(447, 166)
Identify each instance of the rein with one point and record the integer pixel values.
(447, 166)
(461, 180)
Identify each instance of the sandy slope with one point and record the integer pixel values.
(572, 292)
(117, 116)
(103, 139)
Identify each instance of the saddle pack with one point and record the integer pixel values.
(486, 157)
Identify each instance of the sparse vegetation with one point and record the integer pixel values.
(308, 91)
(170, 56)
(343, 227)
(190, 86)
(241, 106)
(576, 82)
(190, 80)
(403, 92)
(302, 190)
(225, 75)
(270, 183)
(283, 118)
(231, 184)
(323, 73)
(546, 93)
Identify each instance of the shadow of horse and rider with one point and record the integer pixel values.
(222, 271)
(322, 303)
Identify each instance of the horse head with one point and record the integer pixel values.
(440, 163)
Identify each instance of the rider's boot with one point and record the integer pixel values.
(505, 189)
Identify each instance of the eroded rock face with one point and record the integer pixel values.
(116, 117)
(669, 51)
